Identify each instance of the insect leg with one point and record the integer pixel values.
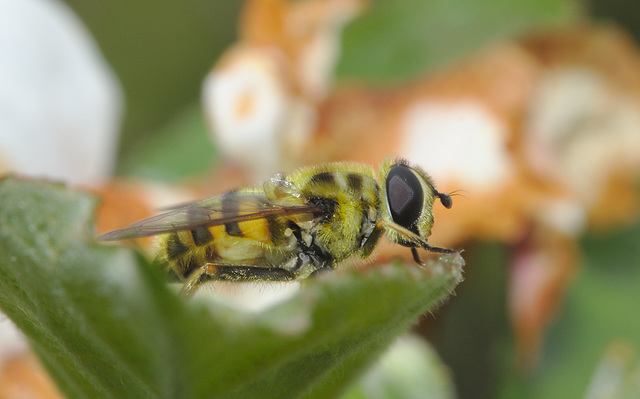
(312, 259)
(429, 248)
(226, 272)
(416, 257)
(439, 250)
(370, 243)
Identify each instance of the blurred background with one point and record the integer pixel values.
(531, 108)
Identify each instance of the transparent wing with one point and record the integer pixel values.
(227, 208)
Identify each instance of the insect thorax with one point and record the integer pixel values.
(350, 200)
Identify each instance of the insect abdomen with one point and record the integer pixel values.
(232, 243)
(182, 254)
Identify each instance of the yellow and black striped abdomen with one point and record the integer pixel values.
(246, 243)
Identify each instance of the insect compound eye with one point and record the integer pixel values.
(445, 199)
(404, 196)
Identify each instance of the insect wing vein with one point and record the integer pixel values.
(207, 213)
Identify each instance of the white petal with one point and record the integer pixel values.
(247, 104)
(60, 105)
(581, 128)
(457, 140)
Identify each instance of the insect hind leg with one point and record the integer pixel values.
(226, 272)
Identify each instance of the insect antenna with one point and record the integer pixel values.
(456, 193)
(445, 198)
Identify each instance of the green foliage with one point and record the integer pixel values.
(400, 39)
(107, 326)
(181, 149)
(160, 52)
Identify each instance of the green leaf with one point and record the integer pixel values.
(181, 149)
(160, 52)
(107, 326)
(397, 40)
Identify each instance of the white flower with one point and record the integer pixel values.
(582, 130)
(60, 105)
(459, 141)
(247, 102)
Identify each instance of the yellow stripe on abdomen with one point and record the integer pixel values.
(249, 245)
(257, 230)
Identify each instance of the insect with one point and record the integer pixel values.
(295, 225)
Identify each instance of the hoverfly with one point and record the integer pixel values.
(295, 225)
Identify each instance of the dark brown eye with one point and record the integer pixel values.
(405, 196)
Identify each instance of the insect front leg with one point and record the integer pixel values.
(226, 272)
